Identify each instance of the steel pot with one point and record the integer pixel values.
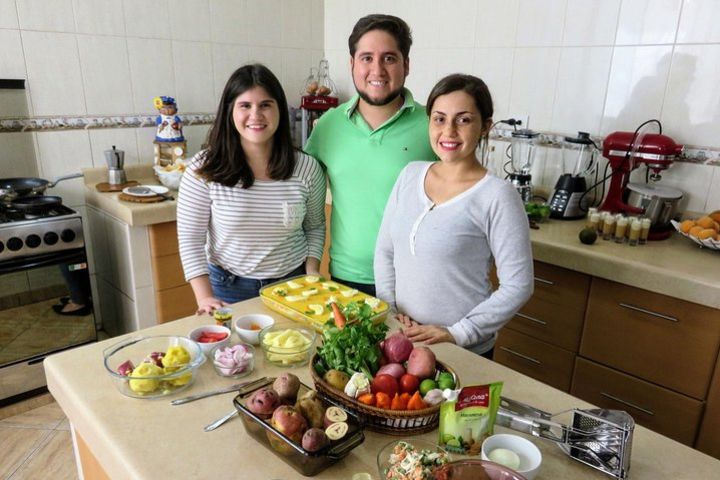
(660, 204)
(12, 188)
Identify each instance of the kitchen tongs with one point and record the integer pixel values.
(597, 437)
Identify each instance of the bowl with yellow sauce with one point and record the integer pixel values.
(287, 345)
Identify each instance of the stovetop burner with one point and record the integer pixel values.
(10, 215)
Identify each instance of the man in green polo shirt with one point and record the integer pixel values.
(365, 143)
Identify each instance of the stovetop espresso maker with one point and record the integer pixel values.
(115, 161)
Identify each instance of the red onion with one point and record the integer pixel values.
(397, 348)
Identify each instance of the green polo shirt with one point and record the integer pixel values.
(362, 165)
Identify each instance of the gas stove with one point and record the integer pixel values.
(29, 234)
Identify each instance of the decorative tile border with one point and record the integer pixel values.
(43, 124)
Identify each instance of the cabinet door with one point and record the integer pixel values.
(708, 440)
(534, 358)
(556, 310)
(667, 341)
(654, 407)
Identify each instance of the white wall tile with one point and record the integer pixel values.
(12, 64)
(96, 240)
(18, 155)
(190, 20)
(62, 153)
(151, 71)
(496, 23)
(54, 77)
(580, 90)
(339, 61)
(46, 15)
(645, 22)
(713, 199)
(264, 23)
(295, 69)
(591, 22)
(533, 85)
(420, 15)
(691, 112)
(317, 22)
(551, 165)
(193, 76)
(693, 180)
(229, 20)
(540, 23)
(296, 24)
(228, 58)
(455, 60)
(196, 136)
(494, 66)
(456, 20)
(698, 22)
(106, 75)
(341, 16)
(146, 148)
(103, 17)
(147, 19)
(122, 138)
(638, 77)
(8, 14)
(423, 73)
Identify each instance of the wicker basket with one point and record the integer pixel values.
(393, 422)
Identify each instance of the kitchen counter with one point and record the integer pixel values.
(132, 213)
(676, 267)
(144, 439)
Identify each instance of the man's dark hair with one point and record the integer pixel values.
(225, 161)
(394, 26)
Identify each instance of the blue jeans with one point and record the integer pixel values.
(231, 288)
(368, 288)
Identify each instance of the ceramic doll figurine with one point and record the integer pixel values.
(169, 125)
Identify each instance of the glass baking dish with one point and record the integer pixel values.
(306, 298)
(306, 463)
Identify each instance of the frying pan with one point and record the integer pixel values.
(36, 204)
(12, 188)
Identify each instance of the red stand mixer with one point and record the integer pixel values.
(626, 151)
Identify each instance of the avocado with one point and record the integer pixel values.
(588, 236)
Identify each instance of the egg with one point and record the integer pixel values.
(506, 457)
(294, 285)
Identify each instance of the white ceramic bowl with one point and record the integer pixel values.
(170, 179)
(248, 326)
(530, 456)
(207, 347)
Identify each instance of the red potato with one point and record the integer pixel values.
(421, 363)
(394, 369)
(263, 402)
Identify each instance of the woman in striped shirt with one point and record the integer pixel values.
(251, 207)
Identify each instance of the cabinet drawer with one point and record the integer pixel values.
(556, 310)
(664, 340)
(534, 358)
(163, 239)
(708, 440)
(654, 407)
(167, 272)
(174, 303)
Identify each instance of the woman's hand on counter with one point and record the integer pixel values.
(208, 304)
(427, 334)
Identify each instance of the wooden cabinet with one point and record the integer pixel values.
(708, 439)
(666, 341)
(662, 410)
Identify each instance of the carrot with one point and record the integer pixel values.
(367, 399)
(382, 400)
(398, 402)
(416, 402)
(340, 320)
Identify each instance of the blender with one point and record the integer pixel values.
(578, 160)
(523, 145)
(115, 161)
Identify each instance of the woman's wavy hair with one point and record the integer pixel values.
(225, 161)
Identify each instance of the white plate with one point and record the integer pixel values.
(155, 189)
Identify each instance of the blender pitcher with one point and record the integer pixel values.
(523, 147)
(578, 155)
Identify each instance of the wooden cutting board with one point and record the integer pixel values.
(105, 187)
(132, 198)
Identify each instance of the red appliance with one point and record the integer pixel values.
(625, 152)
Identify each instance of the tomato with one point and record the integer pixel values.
(384, 383)
(409, 383)
(211, 337)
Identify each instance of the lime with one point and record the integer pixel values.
(446, 380)
(588, 236)
(427, 385)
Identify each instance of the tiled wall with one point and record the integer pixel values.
(592, 65)
(112, 57)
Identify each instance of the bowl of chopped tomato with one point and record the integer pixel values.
(210, 336)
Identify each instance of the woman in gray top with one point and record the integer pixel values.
(446, 222)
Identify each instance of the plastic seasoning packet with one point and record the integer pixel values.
(467, 420)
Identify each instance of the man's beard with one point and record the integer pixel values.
(389, 98)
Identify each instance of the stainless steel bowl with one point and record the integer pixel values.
(660, 204)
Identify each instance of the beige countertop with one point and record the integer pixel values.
(149, 439)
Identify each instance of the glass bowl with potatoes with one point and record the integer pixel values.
(170, 175)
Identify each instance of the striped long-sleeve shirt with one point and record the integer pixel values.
(265, 231)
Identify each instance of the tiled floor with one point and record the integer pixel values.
(36, 442)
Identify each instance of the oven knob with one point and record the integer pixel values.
(67, 235)
(50, 238)
(33, 241)
(14, 244)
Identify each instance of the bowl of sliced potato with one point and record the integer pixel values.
(170, 175)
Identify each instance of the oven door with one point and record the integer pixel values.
(30, 329)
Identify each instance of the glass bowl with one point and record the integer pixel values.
(471, 469)
(431, 456)
(170, 178)
(155, 381)
(287, 345)
(233, 361)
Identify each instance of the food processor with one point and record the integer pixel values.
(523, 146)
(578, 155)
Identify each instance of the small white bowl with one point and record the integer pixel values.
(244, 324)
(195, 333)
(530, 456)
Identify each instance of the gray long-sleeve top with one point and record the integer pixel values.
(432, 261)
